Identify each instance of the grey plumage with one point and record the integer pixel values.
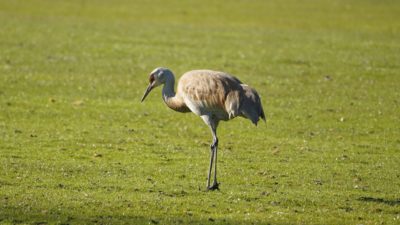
(212, 95)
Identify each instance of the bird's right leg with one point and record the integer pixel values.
(210, 169)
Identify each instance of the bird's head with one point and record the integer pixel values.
(157, 77)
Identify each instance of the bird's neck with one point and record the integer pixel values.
(168, 91)
(170, 98)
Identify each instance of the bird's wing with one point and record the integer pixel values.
(207, 90)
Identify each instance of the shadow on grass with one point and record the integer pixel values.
(15, 216)
(393, 202)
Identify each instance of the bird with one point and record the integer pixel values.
(214, 96)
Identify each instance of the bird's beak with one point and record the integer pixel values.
(149, 88)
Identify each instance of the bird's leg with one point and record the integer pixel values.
(214, 147)
(211, 164)
(212, 123)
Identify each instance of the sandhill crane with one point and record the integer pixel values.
(213, 96)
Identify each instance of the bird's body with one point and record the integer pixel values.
(212, 95)
(205, 92)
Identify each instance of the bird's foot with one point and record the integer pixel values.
(214, 187)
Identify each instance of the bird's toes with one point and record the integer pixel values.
(214, 187)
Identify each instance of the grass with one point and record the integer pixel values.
(77, 146)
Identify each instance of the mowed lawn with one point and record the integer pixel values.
(78, 147)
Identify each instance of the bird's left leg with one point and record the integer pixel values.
(214, 149)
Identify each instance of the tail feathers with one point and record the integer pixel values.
(251, 106)
(254, 114)
(262, 115)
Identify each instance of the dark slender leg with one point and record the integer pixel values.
(212, 123)
(211, 164)
(214, 148)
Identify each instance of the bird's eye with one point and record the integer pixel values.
(151, 78)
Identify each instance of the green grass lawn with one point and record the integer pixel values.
(78, 147)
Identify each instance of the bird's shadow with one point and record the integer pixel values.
(391, 202)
